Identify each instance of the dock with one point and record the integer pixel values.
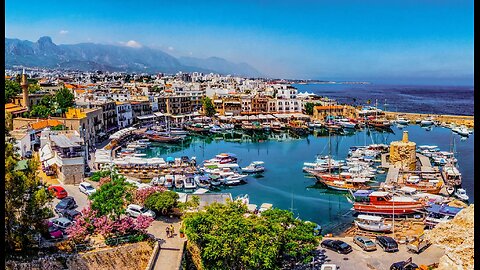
(425, 161)
(392, 175)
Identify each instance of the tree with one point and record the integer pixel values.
(33, 88)
(112, 197)
(65, 99)
(229, 239)
(208, 107)
(12, 88)
(40, 111)
(25, 202)
(309, 107)
(162, 202)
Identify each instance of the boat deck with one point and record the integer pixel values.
(392, 176)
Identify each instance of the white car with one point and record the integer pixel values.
(86, 188)
(135, 210)
(329, 267)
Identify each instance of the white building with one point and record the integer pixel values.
(125, 114)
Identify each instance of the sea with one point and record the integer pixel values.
(428, 99)
(284, 184)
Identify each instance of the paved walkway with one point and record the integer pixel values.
(171, 249)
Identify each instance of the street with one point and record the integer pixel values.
(378, 259)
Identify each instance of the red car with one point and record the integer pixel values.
(58, 191)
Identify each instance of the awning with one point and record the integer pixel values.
(46, 153)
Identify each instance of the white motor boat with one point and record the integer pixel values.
(463, 131)
(372, 223)
(189, 183)
(235, 179)
(402, 121)
(427, 122)
(461, 194)
(254, 167)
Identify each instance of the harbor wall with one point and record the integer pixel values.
(467, 120)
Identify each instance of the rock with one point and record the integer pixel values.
(457, 238)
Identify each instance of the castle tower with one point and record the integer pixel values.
(402, 153)
(24, 85)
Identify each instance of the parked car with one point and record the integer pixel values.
(86, 188)
(70, 214)
(62, 223)
(387, 243)
(66, 203)
(58, 191)
(135, 210)
(337, 246)
(28, 154)
(365, 243)
(404, 265)
(329, 266)
(54, 232)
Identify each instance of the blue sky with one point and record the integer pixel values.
(411, 42)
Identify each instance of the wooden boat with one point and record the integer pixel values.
(381, 202)
(451, 175)
(372, 223)
(162, 138)
(379, 123)
(414, 181)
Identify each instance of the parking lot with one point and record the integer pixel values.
(378, 259)
(80, 198)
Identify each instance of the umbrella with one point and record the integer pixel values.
(170, 159)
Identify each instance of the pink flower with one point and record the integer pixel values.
(77, 232)
(103, 225)
(141, 195)
(124, 225)
(142, 223)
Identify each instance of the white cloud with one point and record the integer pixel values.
(63, 32)
(170, 48)
(132, 44)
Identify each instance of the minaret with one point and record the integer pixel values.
(24, 85)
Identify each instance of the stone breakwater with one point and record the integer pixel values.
(457, 238)
(466, 120)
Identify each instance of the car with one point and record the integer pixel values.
(404, 265)
(387, 243)
(70, 214)
(58, 191)
(329, 266)
(365, 243)
(54, 232)
(135, 210)
(66, 203)
(28, 154)
(337, 246)
(86, 188)
(62, 223)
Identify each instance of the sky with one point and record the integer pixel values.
(385, 41)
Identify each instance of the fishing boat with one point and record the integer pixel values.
(461, 194)
(156, 137)
(346, 184)
(276, 126)
(451, 175)
(381, 202)
(254, 167)
(372, 223)
(381, 123)
(202, 181)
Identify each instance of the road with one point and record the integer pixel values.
(378, 259)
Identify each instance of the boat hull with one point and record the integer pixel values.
(387, 209)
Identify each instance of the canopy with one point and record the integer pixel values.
(170, 159)
(46, 153)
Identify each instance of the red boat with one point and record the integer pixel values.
(162, 139)
(379, 123)
(381, 202)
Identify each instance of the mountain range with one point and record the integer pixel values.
(91, 56)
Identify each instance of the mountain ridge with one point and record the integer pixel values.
(86, 56)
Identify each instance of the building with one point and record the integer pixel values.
(64, 152)
(322, 112)
(403, 154)
(124, 114)
(175, 104)
(109, 112)
(140, 108)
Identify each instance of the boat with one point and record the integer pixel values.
(440, 214)
(216, 129)
(451, 174)
(235, 179)
(169, 179)
(202, 181)
(179, 180)
(215, 180)
(427, 122)
(382, 202)
(372, 223)
(346, 184)
(254, 167)
(162, 138)
(432, 186)
(345, 123)
(379, 123)
(402, 121)
(276, 126)
(158, 181)
(461, 194)
(462, 130)
(222, 158)
(189, 183)
(450, 190)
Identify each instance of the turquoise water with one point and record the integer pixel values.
(284, 184)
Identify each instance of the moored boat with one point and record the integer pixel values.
(381, 202)
(372, 223)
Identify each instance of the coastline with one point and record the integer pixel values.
(466, 120)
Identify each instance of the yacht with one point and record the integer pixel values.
(254, 167)
(372, 223)
(427, 121)
(461, 194)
